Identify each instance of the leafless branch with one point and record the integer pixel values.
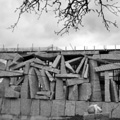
(70, 12)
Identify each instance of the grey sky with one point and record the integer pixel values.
(40, 32)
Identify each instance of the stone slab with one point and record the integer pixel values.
(11, 93)
(80, 65)
(69, 67)
(40, 79)
(13, 80)
(45, 80)
(84, 67)
(25, 92)
(48, 68)
(6, 106)
(116, 111)
(1, 101)
(70, 108)
(109, 107)
(38, 118)
(73, 92)
(75, 81)
(114, 92)
(46, 108)
(74, 60)
(35, 107)
(52, 89)
(42, 97)
(85, 91)
(50, 77)
(95, 82)
(3, 85)
(59, 93)
(107, 87)
(62, 65)
(15, 107)
(33, 82)
(6, 117)
(18, 58)
(56, 61)
(58, 108)
(10, 74)
(81, 107)
(25, 106)
(44, 93)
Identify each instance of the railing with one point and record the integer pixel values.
(50, 48)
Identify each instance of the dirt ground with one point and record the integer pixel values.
(78, 117)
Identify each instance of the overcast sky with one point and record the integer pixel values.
(40, 32)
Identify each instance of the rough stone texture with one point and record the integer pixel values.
(6, 117)
(40, 79)
(46, 107)
(109, 107)
(45, 80)
(58, 108)
(94, 80)
(24, 118)
(73, 92)
(81, 107)
(70, 108)
(1, 100)
(107, 87)
(116, 110)
(35, 107)
(33, 82)
(114, 93)
(11, 93)
(6, 106)
(2, 89)
(52, 89)
(15, 107)
(56, 61)
(84, 91)
(25, 88)
(3, 85)
(59, 93)
(39, 118)
(13, 80)
(25, 105)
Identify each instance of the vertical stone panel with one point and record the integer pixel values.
(35, 107)
(6, 106)
(84, 91)
(94, 80)
(58, 108)
(70, 108)
(59, 94)
(107, 87)
(15, 107)
(73, 92)
(81, 107)
(25, 106)
(46, 108)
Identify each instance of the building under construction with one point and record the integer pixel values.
(56, 84)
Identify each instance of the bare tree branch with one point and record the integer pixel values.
(70, 12)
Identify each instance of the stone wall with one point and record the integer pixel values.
(32, 109)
